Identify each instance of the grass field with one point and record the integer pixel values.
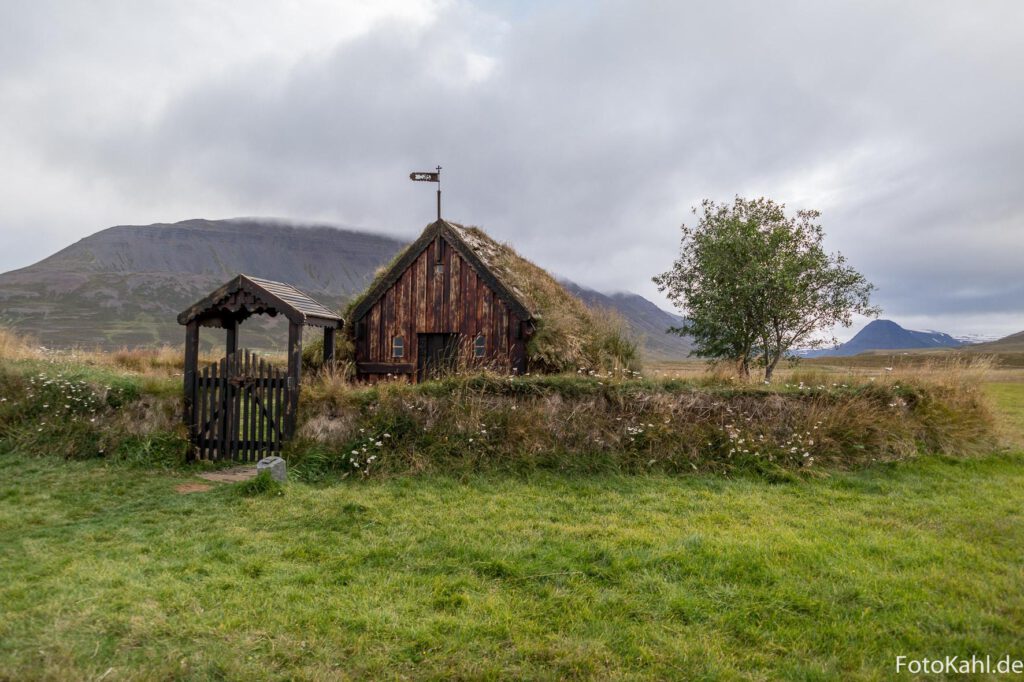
(110, 573)
(1009, 396)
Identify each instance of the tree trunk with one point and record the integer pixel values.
(743, 367)
(769, 369)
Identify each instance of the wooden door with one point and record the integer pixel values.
(436, 355)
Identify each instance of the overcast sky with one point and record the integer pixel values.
(580, 132)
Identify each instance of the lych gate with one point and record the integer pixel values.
(241, 407)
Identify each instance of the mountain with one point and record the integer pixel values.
(647, 320)
(887, 335)
(125, 285)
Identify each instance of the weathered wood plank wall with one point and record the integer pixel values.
(424, 302)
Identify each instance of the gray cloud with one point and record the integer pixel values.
(582, 133)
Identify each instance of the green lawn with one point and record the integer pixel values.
(106, 570)
(1009, 398)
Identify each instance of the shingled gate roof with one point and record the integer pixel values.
(490, 259)
(246, 295)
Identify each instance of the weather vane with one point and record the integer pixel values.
(430, 177)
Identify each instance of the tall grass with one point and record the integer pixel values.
(128, 405)
(952, 369)
(15, 346)
(162, 361)
(81, 405)
(610, 423)
(143, 360)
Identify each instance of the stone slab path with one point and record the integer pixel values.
(232, 475)
(186, 488)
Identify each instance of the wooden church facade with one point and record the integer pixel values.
(440, 306)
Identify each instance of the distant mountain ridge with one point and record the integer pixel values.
(307, 254)
(1014, 343)
(647, 320)
(887, 335)
(123, 286)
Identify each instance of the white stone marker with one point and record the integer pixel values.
(275, 465)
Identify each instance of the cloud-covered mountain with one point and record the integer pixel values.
(123, 286)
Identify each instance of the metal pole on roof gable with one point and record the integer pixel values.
(434, 176)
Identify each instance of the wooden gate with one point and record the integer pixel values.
(239, 409)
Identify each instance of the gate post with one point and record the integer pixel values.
(328, 345)
(191, 365)
(231, 343)
(294, 377)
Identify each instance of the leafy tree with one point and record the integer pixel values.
(754, 284)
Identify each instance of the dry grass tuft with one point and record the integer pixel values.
(159, 362)
(951, 371)
(143, 360)
(329, 384)
(14, 346)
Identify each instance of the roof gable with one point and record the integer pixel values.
(473, 246)
(245, 295)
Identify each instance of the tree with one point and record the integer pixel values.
(754, 284)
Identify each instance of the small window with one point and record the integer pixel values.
(398, 347)
(480, 346)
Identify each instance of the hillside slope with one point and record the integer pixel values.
(123, 286)
(647, 320)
